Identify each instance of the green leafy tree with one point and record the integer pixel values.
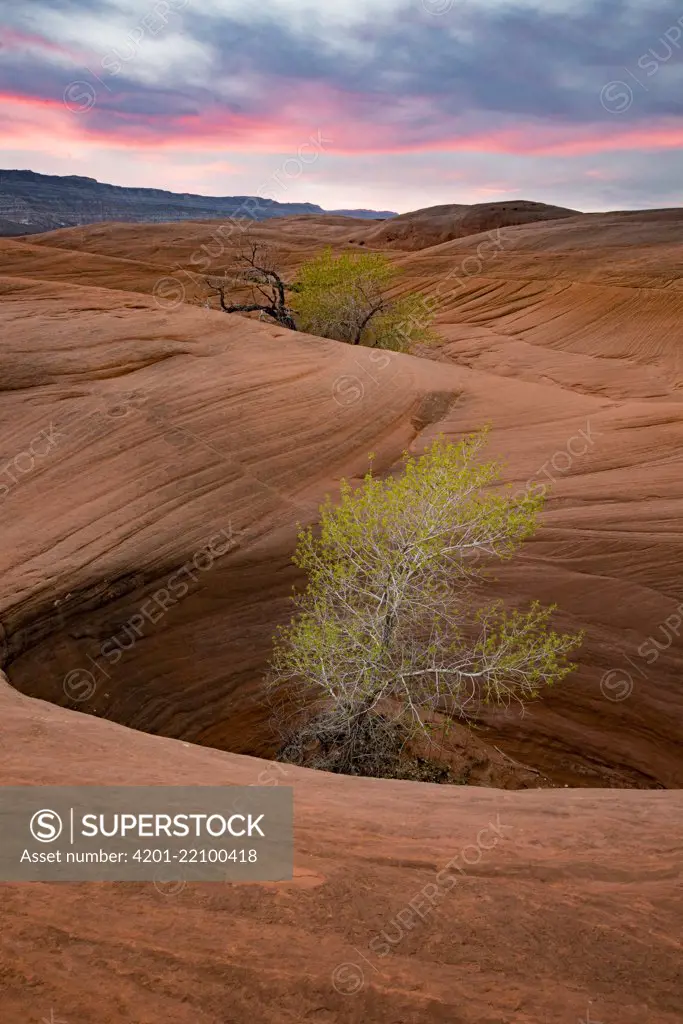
(346, 297)
(385, 636)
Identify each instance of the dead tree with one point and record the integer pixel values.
(269, 291)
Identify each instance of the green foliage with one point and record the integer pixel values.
(405, 323)
(345, 297)
(386, 623)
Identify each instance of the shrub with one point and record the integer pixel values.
(384, 635)
(346, 297)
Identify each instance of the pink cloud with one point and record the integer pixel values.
(329, 121)
(12, 39)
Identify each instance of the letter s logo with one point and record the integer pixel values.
(46, 826)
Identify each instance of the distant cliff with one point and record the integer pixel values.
(31, 202)
(365, 214)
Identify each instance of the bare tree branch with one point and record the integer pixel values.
(256, 270)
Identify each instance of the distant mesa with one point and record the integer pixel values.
(365, 214)
(76, 177)
(31, 203)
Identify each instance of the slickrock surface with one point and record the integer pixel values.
(436, 224)
(174, 423)
(156, 457)
(566, 904)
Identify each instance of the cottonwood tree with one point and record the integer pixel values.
(385, 634)
(255, 268)
(347, 297)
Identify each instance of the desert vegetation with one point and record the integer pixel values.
(170, 428)
(255, 268)
(385, 637)
(345, 297)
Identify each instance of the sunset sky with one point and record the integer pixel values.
(352, 103)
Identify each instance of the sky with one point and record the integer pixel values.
(380, 104)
